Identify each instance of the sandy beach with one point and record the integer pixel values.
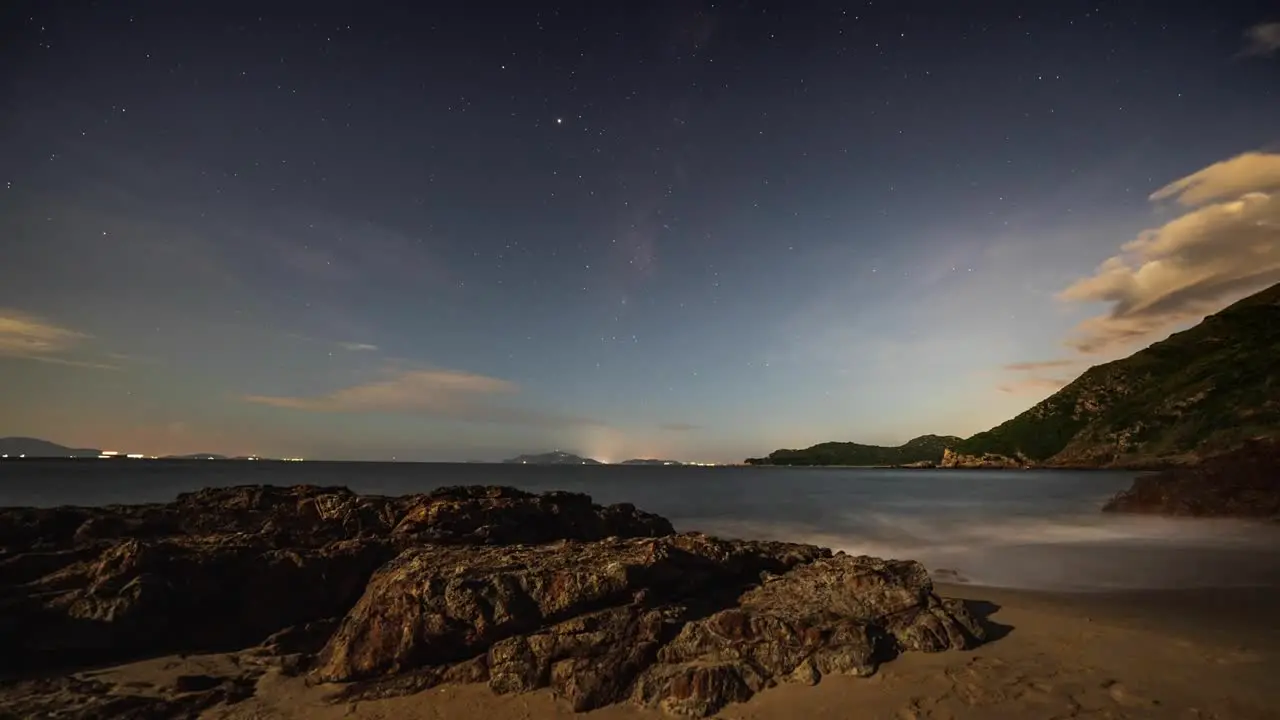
(1162, 654)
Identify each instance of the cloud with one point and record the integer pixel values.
(26, 336)
(679, 427)
(1038, 365)
(358, 347)
(23, 335)
(1242, 174)
(441, 393)
(1262, 39)
(1223, 248)
(1033, 385)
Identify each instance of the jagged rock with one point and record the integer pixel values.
(1242, 483)
(680, 622)
(224, 568)
(464, 584)
(186, 593)
(985, 461)
(311, 516)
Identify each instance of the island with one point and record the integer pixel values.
(29, 447)
(556, 457)
(924, 451)
(650, 461)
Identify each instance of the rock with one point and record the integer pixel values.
(223, 568)
(466, 584)
(1241, 483)
(985, 461)
(680, 623)
(180, 594)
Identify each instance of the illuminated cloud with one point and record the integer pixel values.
(1262, 39)
(32, 338)
(1242, 174)
(442, 393)
(1225, 247)
(358, 347)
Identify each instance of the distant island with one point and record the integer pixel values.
(29, 448)
(557, 457)
(649, 461)
(19, 447)
(924, 451)
(1198, 394)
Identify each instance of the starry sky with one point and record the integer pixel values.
(678, 229)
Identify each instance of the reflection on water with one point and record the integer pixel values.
(1039, 529)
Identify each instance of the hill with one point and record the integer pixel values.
(557, 457)
(37, 448)
(1198, 393)
(924, 450)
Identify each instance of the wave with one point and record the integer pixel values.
(1078, 552)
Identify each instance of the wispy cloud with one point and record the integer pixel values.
(1037, 365)
(22, 334)
(679, 427)
(449, 394)
(1226, 246)
(29, 337)
(1034, 384)
(358, 347)
(1262, 39)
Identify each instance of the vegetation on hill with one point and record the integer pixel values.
(1198, 393)
(921, 450)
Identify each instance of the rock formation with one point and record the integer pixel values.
(468, 584)
(953, 459)
(1242, 483)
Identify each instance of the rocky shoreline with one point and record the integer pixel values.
(1244, 483)
(383, 596)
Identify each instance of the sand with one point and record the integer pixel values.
(1166, 654)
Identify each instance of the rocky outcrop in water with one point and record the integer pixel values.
(1242, 483)
(987, 461)
(481, 584)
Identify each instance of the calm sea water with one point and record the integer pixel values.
(1030, 529)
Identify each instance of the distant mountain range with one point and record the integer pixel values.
(28, 447)
(1199, 393)
(922, 451)
(37, 448)
(557, 457)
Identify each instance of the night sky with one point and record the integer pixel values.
(692, 230)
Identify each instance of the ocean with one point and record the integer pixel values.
(1013, 528)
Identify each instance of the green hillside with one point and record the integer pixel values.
(924, 449)
(1200, 392)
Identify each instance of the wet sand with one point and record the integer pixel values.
(1157, 654)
